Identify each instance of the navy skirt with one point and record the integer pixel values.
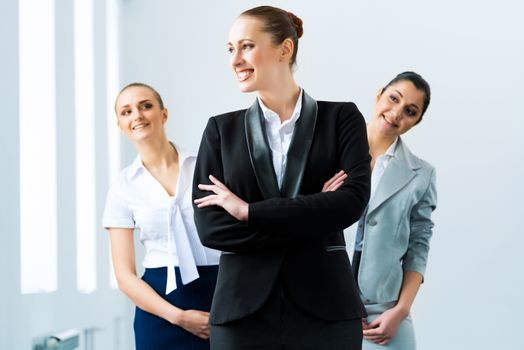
(155, 333)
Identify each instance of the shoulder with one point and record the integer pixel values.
(125, 177)
(337, 106)
(340, 109)
(423, 166)
(344, 115)
(229, 117)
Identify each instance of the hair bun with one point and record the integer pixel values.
(297, 23)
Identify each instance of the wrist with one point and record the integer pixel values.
(176, 317)
(246, 212)
(402, 310)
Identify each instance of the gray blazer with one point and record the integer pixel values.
(398, 226)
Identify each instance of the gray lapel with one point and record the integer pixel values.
(259, 152)
(400, 171)
(299, 148)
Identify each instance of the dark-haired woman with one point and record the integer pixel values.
(153, 197)
(393, 234)
(258, 187)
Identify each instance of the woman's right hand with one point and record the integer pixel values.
(335, 182)
(195, 322)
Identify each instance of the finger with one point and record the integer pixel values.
(216, 182)
(340, 179)
(372, 332)
(375, 324)
(374, 339)
(202, 336)
(208, 202)
(384, 342)
(336, 185)
(204, 199)
(211, 188)
(334, 178)
(329, 182)
(330, 188)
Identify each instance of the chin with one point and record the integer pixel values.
(246, 87)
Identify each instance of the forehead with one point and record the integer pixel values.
(409, 91)
(134, 94)
(246, 28)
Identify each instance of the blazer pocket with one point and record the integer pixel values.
(335, 248)
(228, 253)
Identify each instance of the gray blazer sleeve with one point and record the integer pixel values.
(421, 229)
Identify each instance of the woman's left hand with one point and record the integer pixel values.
(384, 327)
(224, 198)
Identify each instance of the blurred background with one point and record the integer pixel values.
(64, 61)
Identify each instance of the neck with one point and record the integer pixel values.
(281, 98)
(157, 153)
(378, 142)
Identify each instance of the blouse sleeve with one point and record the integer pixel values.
(117, 213)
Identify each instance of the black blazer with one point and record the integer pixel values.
(294, 234)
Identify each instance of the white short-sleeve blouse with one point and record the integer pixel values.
(164, 223)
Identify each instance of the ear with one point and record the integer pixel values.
(118, 124)
(286, 49)
(164, 115)
(379, 93)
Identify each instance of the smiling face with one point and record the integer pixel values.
(139, 114)
(398, 108)
(258, 64)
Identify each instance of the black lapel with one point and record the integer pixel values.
(299, 148)
(259, 152)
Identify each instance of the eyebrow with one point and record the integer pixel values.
(240, 41)
(412, 104)
(140, 102)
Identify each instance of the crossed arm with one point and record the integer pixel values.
(227, 222)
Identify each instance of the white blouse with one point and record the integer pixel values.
(165, 223)
(279, 135)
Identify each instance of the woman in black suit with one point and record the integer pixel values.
(285, 277)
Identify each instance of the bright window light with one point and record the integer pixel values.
(85, 145)
(112, 88)
(38, 203)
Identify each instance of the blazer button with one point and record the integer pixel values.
(372, 222)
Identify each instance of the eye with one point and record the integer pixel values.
(393, 98)
(246, 47)
(146, 106)
(230, 49)
(411, 112)
(125, 112)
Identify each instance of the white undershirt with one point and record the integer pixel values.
(380, 167)
(279, 135)
(381, 164)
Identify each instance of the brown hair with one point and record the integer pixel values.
(155, 93)
(280, 24)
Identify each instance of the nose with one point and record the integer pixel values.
(137, 114)
(236, 58)
(397, 112)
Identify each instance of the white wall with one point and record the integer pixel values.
(471, 52)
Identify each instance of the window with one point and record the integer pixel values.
(38, 213)
(86, 229)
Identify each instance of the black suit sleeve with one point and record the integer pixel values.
(321, 213)
(216, 227)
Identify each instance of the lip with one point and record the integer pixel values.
(139, 126)
(244, 74)
(389, 122)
